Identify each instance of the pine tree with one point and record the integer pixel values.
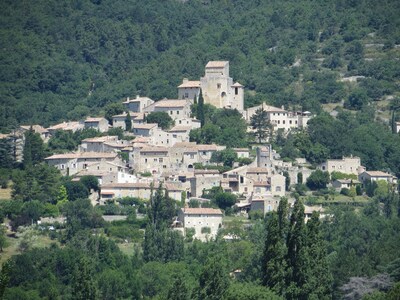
(200, 109)
(33, 152)
(128, 122)
(261, 124)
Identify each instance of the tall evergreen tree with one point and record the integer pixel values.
(33, 152)
(318, 277)
(214, 280)
(200, 109)
(128, 122)
(274, 264)
(83, 283)
(297, 254)
(179, 289)
(261, 124)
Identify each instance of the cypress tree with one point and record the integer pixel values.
(83, 284)
(200, 109)
(33, 152)
(128, 122)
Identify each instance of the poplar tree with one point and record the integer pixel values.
(297, 254)
(319, 279)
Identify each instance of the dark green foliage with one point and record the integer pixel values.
(299, 178)
(83, 284)
(226, 127)
(225, 200)
(39, 183)
(263, 127)
(6, 154)
(226, 156)
(213, 280)
(90, 182)
(249, 291)
(200, 114)
(161, 118)
(128, 122)
(113, 109)
(318, 180)
(33, 152)
(76, 190)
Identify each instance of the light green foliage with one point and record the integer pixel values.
(339, 175)
(3, 239)
(249, 291)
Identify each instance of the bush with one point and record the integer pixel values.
(345, 191)
(206, 230)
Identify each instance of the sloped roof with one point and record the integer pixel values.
(216, 64)
(201, 211)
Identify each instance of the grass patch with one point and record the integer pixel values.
(5, 194)
(39, 241)
(126, 248)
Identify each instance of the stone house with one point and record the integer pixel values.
(175, 108)
(189, 89)
(367, 176)
(66, 126)
(71, 163)
(339, 184)
(204, 221)
(151, 159)
(103, 144)
(347, 165)
(203, 180)
(147, 129)
(100, 124)
(280, 118)
(138, 104)
(140, 190)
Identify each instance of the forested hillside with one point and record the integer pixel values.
(65, 59)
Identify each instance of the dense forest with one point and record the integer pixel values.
(65, 60)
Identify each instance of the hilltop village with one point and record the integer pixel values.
(153, 156)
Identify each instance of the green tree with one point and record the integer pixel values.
(213, 280)
(90, 182)
(318, 277)
(179, 289)
(200, 114)
(161, 118)
(6, 154)
(274, 265)
(261, 124)
(3, 239)
(76, 190)
(318, 180)
(297, 254)
(113, 109)
(33, 152)
(299, 178)
(83, 284)
(128, 122)
(226, 156)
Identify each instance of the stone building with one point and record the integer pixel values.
(217, 87)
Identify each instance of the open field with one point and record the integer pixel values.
(39, 241)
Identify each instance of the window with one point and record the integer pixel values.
(170, 112)
(279, 122)
(290, 122)
(218, 85)
(186, 95)
(177, 112)
(236, 91)
(62, 167)
(145, 160)
(283, 122)
(160, 160)
(191, 156)
(155, 159)
(278, 189)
